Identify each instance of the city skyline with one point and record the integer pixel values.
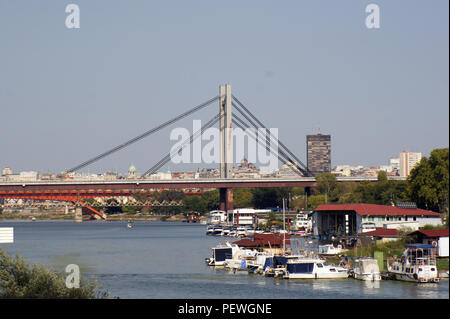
(68, 95)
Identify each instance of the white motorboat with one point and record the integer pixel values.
(417, 264)
(366, 269)
(216, 217)
(240, 231)
(209, 230)
(222, 253)
(217, 231)
(329, 250)
(313, 268)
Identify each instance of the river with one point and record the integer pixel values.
(166, 260)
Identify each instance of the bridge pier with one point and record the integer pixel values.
(78, 214)
(226, 199)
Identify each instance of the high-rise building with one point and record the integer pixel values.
(318, 150)
(407, 162)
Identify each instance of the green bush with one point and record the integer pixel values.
(19, 280)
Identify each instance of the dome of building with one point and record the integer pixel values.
(132, 169)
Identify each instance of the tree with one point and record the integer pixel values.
(194, 203)
(327, 185)
(242, 197)
(428, 182)
(19, 280)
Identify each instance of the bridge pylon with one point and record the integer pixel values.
(226, 145)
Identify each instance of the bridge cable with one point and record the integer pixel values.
(259, 122)
(272, 138)
(279, 142)
(195, 135)
(281, 155)
(137, 138)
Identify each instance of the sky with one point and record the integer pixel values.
(67, 95)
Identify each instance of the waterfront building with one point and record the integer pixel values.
(382, 234)
(407, 162)
(318, 150)
(436, 237)
(350, 219)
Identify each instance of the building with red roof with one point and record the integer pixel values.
(352, 219)
(383, 234)
(435, 237)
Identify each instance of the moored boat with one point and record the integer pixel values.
(366, 269)
(313, 268)
(417, 264)
(330, 249)
(221, 253)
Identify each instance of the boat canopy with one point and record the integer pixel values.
(417, 246)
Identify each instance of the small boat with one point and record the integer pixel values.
(33, 218)
(240, 231)
(221, 253)
(129, 225)
(366, 269)
(225, 232)
(417, 264)
(313, 268)
(329, 250)
(209, 230)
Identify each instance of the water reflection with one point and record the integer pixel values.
(369, 284)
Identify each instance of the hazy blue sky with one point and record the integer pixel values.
(67, 95)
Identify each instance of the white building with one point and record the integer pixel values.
(407, 162)
(350, 219)
(7, 171)
(435, 237)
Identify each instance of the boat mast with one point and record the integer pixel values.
(284, 229)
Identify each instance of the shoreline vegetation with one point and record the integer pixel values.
(18, 279)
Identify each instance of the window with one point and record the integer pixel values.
(406, 218)
(432, 269)
(332, 269)
(414, 218)
(320, 265)
(399, 218)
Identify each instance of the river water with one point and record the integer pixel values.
(166, 260)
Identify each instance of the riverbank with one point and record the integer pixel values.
(71, 216)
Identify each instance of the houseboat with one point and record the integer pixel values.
(417, 264)
(366, 269)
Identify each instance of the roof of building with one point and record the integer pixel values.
(381, 232)
(431, 233)
(267, 240)
(373, 209)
